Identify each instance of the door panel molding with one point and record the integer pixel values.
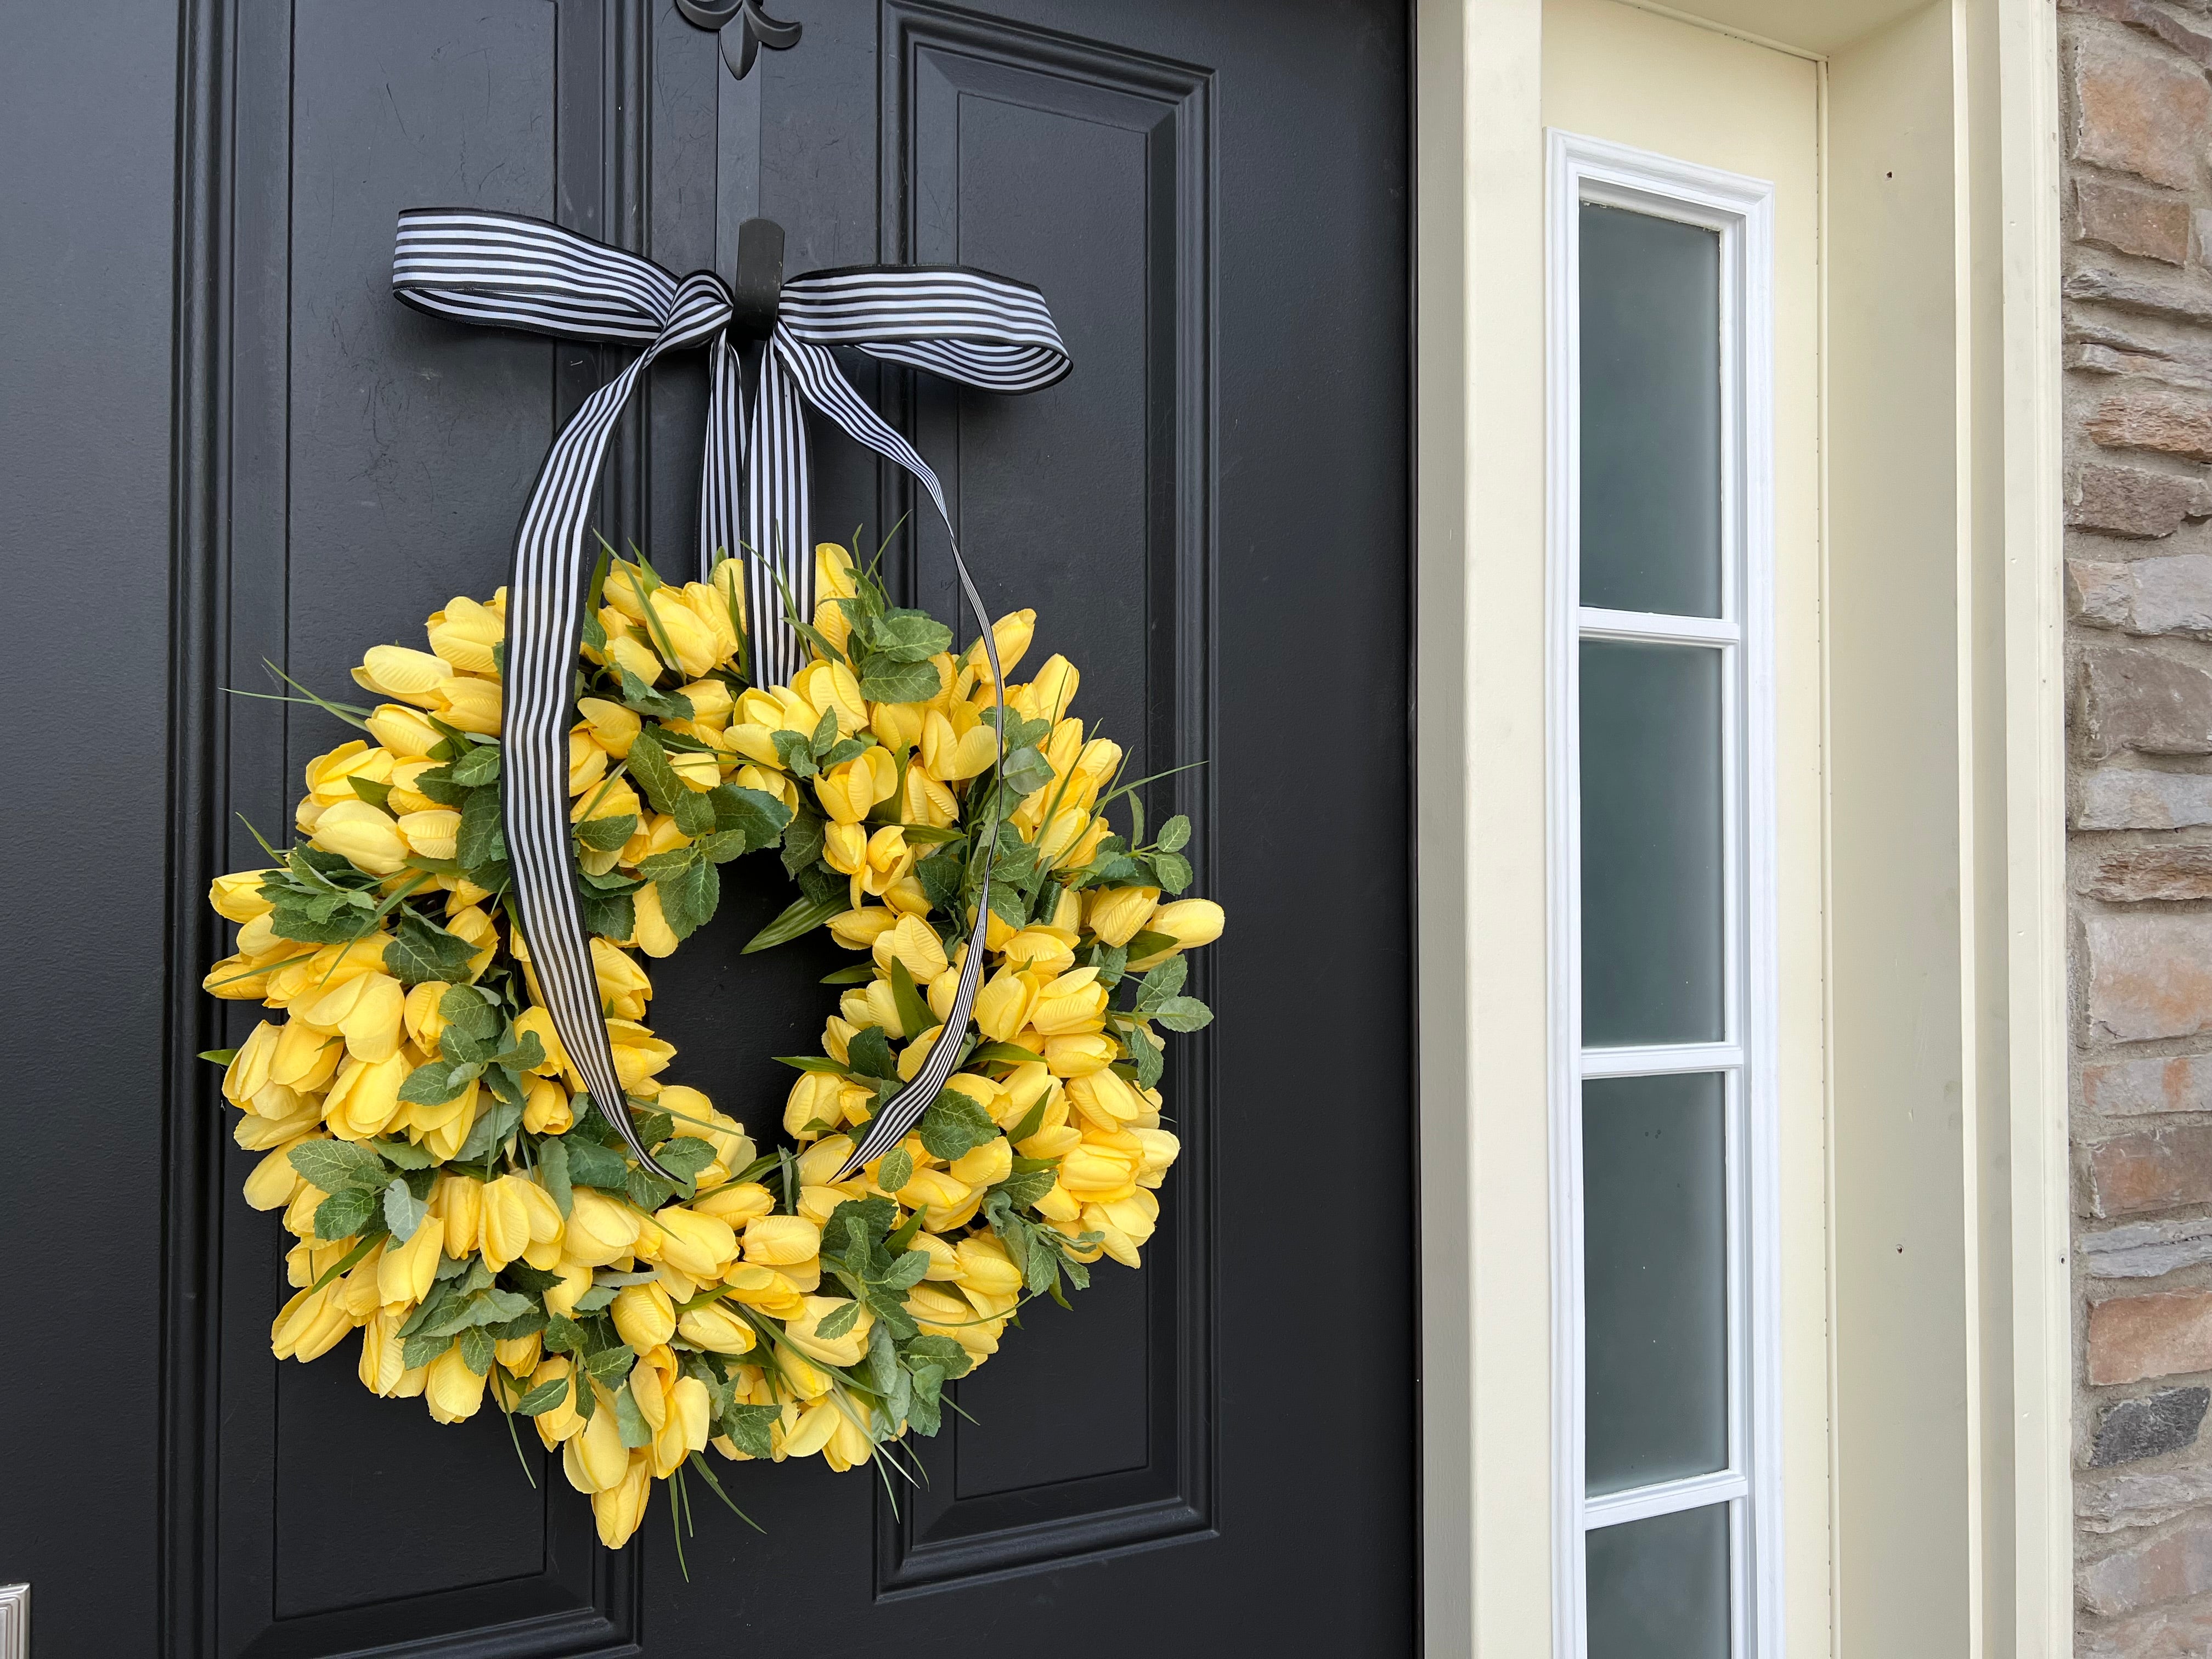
(937, 65)
(239, 1558)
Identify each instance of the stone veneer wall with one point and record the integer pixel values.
(2138, 319)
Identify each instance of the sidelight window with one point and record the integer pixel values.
(1662, 993)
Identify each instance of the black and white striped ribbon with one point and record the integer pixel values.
(506, 270)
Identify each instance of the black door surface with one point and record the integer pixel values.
(225, 441)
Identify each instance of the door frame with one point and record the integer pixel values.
(1993, 1281)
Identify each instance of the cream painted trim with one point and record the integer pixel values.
(1478, 680)
(2035, 807)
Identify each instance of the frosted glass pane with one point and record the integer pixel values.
(1655, 1279)
(1652, 414)
(1652, 917)
(1659, 1589)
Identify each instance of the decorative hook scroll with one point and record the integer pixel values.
(744, 28)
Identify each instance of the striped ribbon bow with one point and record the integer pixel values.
(506, 270)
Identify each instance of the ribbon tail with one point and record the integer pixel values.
(825, 384)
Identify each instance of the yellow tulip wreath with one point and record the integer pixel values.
(460, 1199)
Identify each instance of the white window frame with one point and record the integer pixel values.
(1741, 211)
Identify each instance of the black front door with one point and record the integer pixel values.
(1214, 1456)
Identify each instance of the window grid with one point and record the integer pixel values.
(1589, 173)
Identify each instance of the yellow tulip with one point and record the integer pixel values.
(381, 1350)
(1002, 1006)
(828, 686)
(737, 1203)
(309, 1325)
(845, 847)
(833, 571)
(1189, 923)
(402, 731)
(639, 1055)
(576, 1279)
(622, 986)
(1118, 914)
(986, 1165)
(394, 670)
(859, 929)
(365, 1099)
(699, 1245)
(803, 1333)
(237, 896)
(457, 1201)
(915, 942)
(1106, 1100)
(949, 755)
(600, 1228)
(1075, 1002)
(431, 833)
(1096, 1173)
(503, 1225)
(405, 1272)
(468, 704)
(849, 792)
(425, 1025)
(716, 1328)
(942, 1314)
(816, 1426)
(652, 933)
(362, 835)
(274, 1181)
(595, 1459)
(777, 1241)
(1081, 1054)
(644, 1315)
(366, 1009)
(562, 1422)
(945, 1200)
(464, 634)
(1011, 633)
(546, 1109)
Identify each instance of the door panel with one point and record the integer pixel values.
(1209, 517)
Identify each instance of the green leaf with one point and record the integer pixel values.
(609, 1366)
(403, 1211)
(1162, 983)
(684, 1157)
(689, 898)
(1026, 771)
(693, 812)
(1026, 1186)
(491, 1128)
(402, 1154)
(1002, 1054)
(421, 951)
(648, 764)
(869, 1053)
(859, 974)
(1150, 1056)
(590, 1164)
(887, 680)
(606, 834)
(1173, 870)
(635, 1430)
(802, 918)
(337, 1166)
(661, 705)
(906, 1271)
(220, 1056)
(895, 1170)
(479, 767)
(476, 1349)
(796, 753)
(376, 794)
(610, 916)
(344, 1213)
(844, 749)
(418, 1350)
(553, 1173)
(747, 1427)
(1150, 944)
(545, 1397)
(647, 1192)
(1183, 1014)
(755, 813)
(438, 1081)
(1175, 834)
(803, 839)
(929, 834)
(839, 1321)
(475, 1011)
(599, 1298)
(955, 1123)
(916, 1016)
(563, 1335)
(480, 839)
(812, 1063)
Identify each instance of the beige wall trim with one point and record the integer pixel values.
(2026, 50)
(1951, 1387)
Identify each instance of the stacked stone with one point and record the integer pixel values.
(2138, 322)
